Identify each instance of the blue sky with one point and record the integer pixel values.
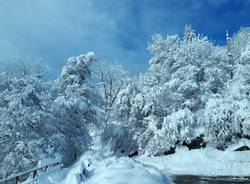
(117, 30)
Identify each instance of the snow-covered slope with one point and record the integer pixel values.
(206, 162)
(95, 168)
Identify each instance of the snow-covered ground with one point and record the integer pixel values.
(95, 168)
(205, 162)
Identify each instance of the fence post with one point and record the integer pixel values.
(34, 174)
(61, 165)
(17, 180)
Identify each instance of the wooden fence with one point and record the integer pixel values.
(21, 177)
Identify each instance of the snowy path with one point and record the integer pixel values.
(99, 169)
(95, 168)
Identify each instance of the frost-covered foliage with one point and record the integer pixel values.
(111, 79)
(191, 88)
(22, 110)
(227, 116)
(40, 119)
(220, 122)
(75, 105)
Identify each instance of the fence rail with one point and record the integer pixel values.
(17, 177)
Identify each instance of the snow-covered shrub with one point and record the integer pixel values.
(118, 138)
(163, 134)
(220, 124)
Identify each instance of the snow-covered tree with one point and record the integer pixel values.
(184, 73)
(111, 78)
(76, 104)
(21, 126)
(40, 119)
(227, 115)
(189, 33)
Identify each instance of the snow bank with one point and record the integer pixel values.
(206, 162)
(240, 143)
(124, 170)
(95, 168)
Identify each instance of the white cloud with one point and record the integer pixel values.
(45, 28)
(116, 30)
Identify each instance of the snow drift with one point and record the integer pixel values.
(95, 168)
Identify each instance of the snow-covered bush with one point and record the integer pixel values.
(118, 139)
(163, 134)
(220, 124)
